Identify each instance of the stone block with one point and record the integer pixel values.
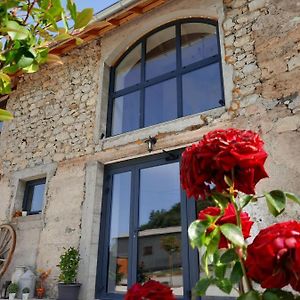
(288, 124)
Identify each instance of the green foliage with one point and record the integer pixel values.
(233, 234)
(69, 262)
(26, 290)
(5, 115)
(197, 233)
(228, 256)
(13, 288)
(202, 286)
(276, 201)
(28, 27)
(252, 295)
(276, 294)
(163, 218)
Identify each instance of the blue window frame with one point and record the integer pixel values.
(145, 208)
(171, 72)
(33, 201)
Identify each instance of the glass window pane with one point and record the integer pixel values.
(159, 242)
(161, 53)
(126, 113)
(161, 102)
(199, 41)
(37, 202)
(202, 89)
(119, 233)
(128, 72)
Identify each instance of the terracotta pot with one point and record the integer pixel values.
(40, 292)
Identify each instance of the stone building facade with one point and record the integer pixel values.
(59, 129)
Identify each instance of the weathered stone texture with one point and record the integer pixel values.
(54, 119)
(61, 117)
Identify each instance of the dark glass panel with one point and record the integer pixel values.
(126, 113)
(119, 233)
(202, 89)
(199, 41)
(161, 53)
(128, 72)
(161, 102)
(159, 241)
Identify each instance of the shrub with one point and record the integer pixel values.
(68, 265)
(26, 290)
(13, 288)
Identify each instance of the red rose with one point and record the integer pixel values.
(151, 290)
(273, 259)
(228, 217)
(216, 155)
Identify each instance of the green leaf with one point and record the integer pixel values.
(233, 234)
(228, 181)
(220, 270)
(252, 295)
(25, 61)
(220, 199)
(202, 286)
(5, 115)
(32, 68)
(204, 262)
(83, 18)
(71, 6)
(212, 241)
(270, 294)
(16, 31)
(245, 199)
(5, 84)
(293, 197)
(229, 256)
(224, 285)
(196, 233)
(276, 202)
(237, 273)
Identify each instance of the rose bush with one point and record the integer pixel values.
(273, 259)
(151, 290)
(229, 216)
(218, 154)
(224, 167)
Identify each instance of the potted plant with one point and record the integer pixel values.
(40, 289)
(12, 290)
(25, 293)
(68, 288)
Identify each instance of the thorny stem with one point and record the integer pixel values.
(238, 211)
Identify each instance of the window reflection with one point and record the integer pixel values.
(160, 227)
(128, 72)
(161, 53)
(119, 233)
(161, 102)
(199, 41)
(202, 89)
(126, 113)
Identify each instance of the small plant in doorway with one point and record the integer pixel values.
(68, 288)
(12, 291)
(25, 293)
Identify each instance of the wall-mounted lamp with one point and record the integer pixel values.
(151, 141)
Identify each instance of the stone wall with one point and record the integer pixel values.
(60, 114)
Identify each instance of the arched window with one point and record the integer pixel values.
(173, 71)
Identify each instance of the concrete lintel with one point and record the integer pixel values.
(90, 229)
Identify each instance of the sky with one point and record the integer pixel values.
(98, 5)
